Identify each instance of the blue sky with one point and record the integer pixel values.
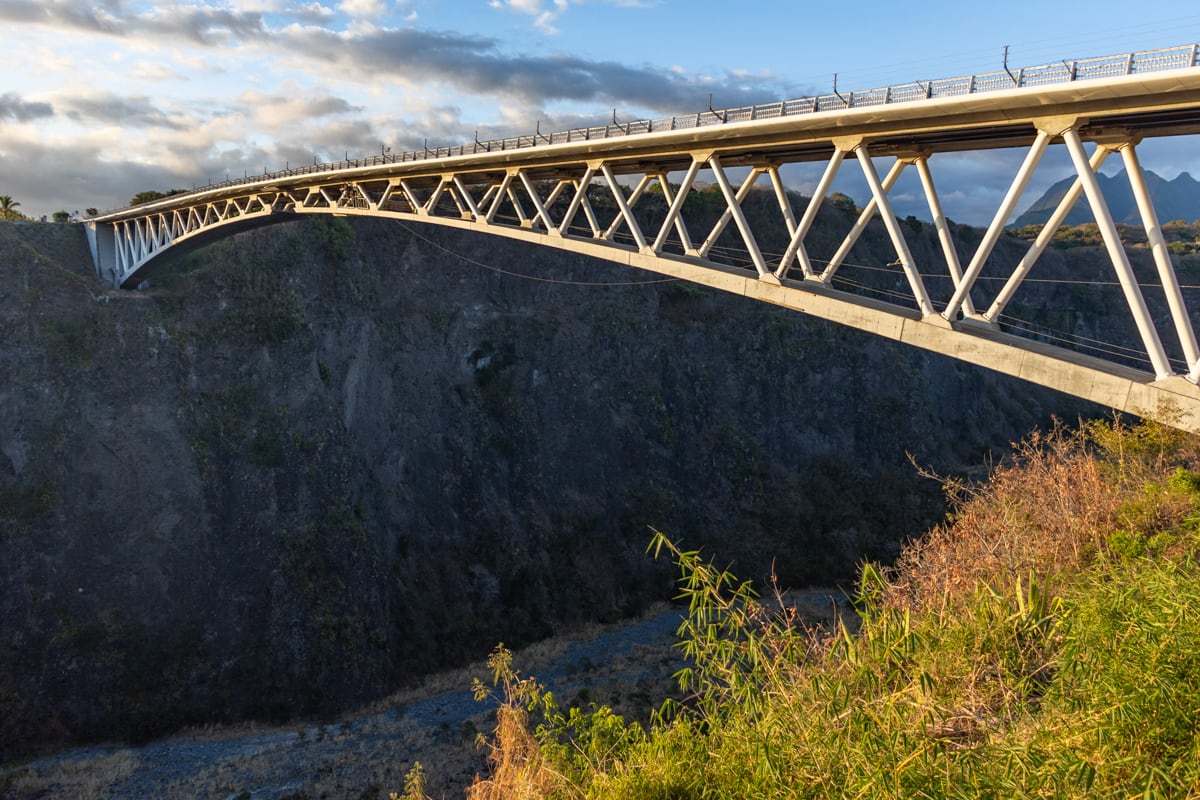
(101, 100)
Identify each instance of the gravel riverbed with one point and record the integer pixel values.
(367, 754)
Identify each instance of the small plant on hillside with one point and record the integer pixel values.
(518, 767)
(415, 785)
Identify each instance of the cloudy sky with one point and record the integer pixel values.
(100, 100)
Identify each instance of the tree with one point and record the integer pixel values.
(843, 202)
(151, 195)
(8, 209)
(147, 196)
(61, 216)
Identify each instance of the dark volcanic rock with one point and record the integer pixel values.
(317, 460)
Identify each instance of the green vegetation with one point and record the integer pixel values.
(336, 238)
(1182, 237)
(843, 202)
(26, 501)
(1043, 642)
(8, 209)
(151, 195)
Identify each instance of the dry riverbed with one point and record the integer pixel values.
(366, 755)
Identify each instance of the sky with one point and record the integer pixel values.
(101, 100)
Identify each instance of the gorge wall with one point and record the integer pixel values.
(317, 460)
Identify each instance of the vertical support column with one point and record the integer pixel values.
(893, 228)
(676, 207)
(733, 201)
(124, 250)
(795, 248)
(573, 208)
(1116, 251)
(501, 192)
(1162, 258)
(102, 243)
(785, 207)
(1036, 151)
(860, 224)
(727, 214)
(538, 205)
(634, 197)
(942, 228)
(466, 196)
(626, 212)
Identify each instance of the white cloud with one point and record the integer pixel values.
(314, 13)
(155, 72)
(278, 113)
(363, 8)
(544, 17)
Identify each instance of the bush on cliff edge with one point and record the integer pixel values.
(1043, 642)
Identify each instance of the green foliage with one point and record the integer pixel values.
(719, 635)
(61, 216)
(336, 237)
(704, 200)
(8, 209)
(1139, 451)
(415, 784)
(73, 342)
(1182, 238)
(686, 289)
(1125, 701)
(843, 202)
(28, 501)
(1019, 685)
(150, 195)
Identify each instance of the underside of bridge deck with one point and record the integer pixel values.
(582, 194)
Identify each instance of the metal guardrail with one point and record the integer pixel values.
(1180, 57)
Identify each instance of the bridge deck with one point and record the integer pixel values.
(539, 192)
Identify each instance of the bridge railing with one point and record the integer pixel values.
(1042, 75)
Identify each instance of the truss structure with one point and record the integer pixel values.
(630, 200)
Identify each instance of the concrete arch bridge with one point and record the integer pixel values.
(580, 190)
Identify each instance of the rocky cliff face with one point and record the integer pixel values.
(316, 460)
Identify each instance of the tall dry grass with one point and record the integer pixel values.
(1047, 510)
(519, 768)
(1041, 643)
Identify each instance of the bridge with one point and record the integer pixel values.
(585, 191)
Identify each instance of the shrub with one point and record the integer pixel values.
(1043, 642)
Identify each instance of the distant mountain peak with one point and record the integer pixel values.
(1175, 199)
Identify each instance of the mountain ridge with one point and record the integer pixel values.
(1178, 198)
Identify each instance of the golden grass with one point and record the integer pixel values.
(83, 777)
